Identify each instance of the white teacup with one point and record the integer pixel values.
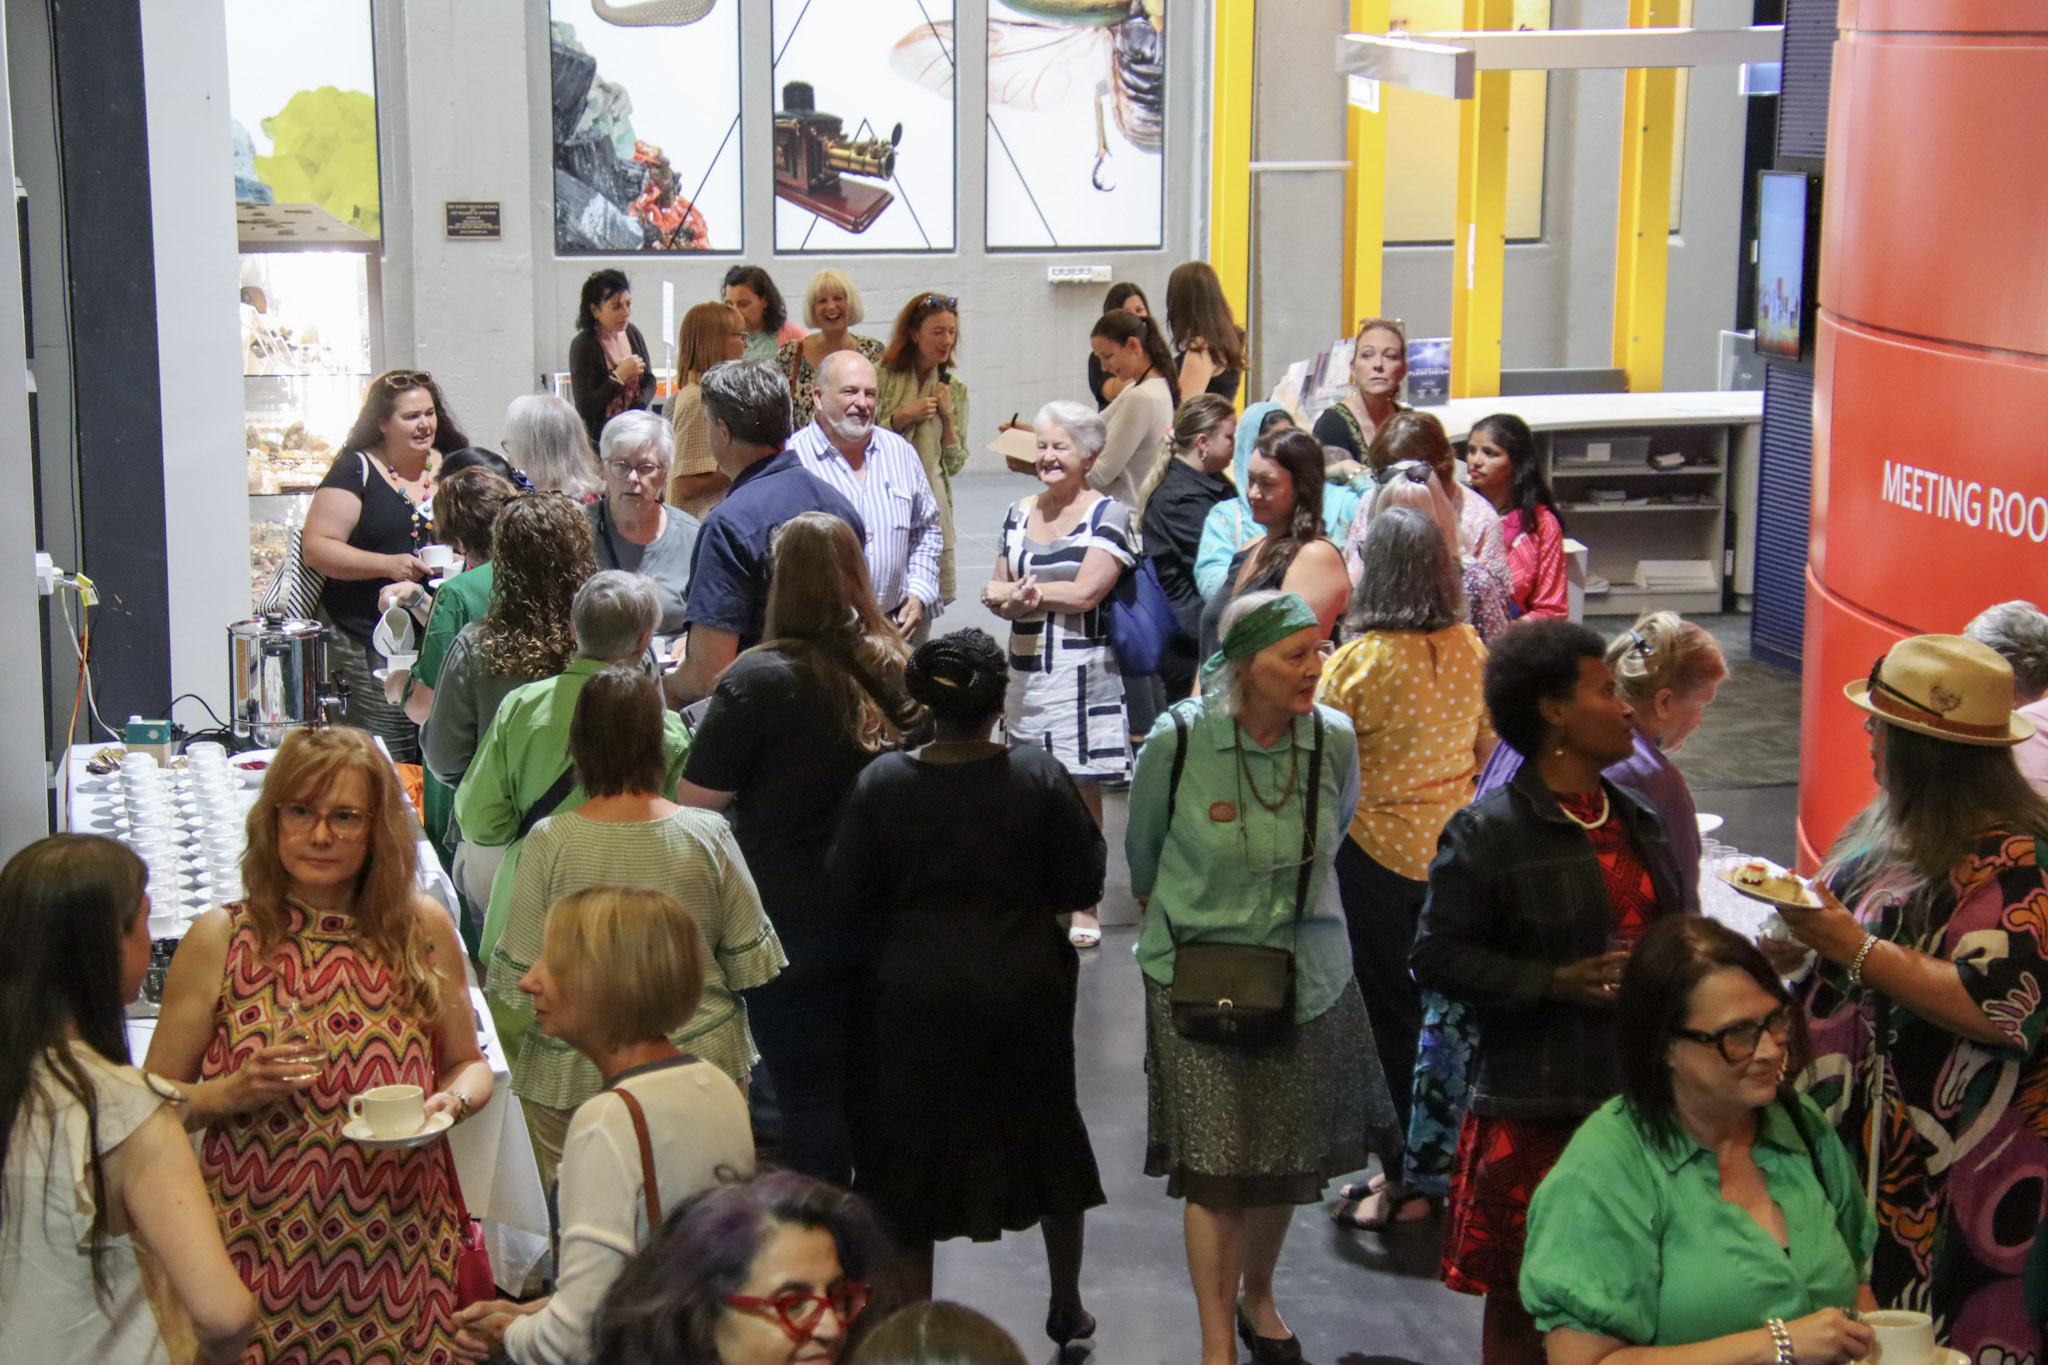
(390, 1111)
(205, 752)
(1903, 1337)
(400, 663)
(437, 556)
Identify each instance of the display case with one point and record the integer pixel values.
(311, 315)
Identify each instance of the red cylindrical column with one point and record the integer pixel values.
(1930, 460)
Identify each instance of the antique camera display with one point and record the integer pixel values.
(813, 153)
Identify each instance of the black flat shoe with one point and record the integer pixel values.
(1079, 1327)
(1267, 1350)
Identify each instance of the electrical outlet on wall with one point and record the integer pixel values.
(1077, 274)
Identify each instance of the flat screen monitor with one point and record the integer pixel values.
(1784, 264)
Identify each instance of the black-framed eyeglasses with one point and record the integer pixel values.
(1877, 684)
(1415, 471)
(1738, 1042)
(408, 379)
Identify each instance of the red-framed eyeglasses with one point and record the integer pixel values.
(798, 1313)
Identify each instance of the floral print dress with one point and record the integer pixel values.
(1963, 1163)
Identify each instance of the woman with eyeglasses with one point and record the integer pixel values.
(635, 530)
(1931, 936)
(1535, 892)
(1707, 1213)
(921, 399)
(1237, 809)
(620, 969)
(1410, 680)
(331, 977)
(369, 517)
(610, 371)
(1284, 488)
(769, 1271)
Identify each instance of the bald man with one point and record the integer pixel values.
(881, 475)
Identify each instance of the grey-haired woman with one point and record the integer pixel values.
(2019, 632)
(1240, 801)
(1411, 682)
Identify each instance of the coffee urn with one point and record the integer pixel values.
(277, 679)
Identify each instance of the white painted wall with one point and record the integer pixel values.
(199, 365)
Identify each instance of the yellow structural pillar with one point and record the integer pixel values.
(1230, 154)
(1642, 240)
(1365, 188)
(1479, 254)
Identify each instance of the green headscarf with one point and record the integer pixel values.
(1266, 624)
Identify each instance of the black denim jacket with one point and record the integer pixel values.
(1515, 892)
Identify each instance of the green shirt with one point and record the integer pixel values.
(462, 599)
(1630, 1238)
(523, 754)
(691, 855)
(1234, 879)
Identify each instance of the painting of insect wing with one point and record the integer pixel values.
(864, 140)
(1076, 123)
(646, 128)
(302, 85)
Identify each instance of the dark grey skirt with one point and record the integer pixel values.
(1238, 1127)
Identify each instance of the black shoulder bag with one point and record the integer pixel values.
(1241, 993)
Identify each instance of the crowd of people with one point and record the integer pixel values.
(777, 895)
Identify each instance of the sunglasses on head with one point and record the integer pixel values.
(938, 303)
(1415, 471)
(408, 379)
(1878, 684)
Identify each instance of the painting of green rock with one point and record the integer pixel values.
(325, 154)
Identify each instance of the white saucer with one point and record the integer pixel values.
(1709, 823)
(355, 1130)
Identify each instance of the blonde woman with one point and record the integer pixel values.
(711, 334)
(831, 306)
(332, 977)
(620, 971)
(790, 727)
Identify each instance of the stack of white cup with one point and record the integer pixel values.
(153, 829)
(216, 820)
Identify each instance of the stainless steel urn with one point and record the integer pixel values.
(277, 678)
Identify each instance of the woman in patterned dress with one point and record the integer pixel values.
(332, 977)
(832, 305)
(1931, 931)
(1062, 551)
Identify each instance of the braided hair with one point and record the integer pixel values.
(960, 677)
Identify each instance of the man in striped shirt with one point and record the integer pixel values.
(881, 475)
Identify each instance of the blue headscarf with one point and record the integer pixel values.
(1248, 424)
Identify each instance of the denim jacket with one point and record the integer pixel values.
(1515, 892)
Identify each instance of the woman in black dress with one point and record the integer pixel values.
(978, 1130)
(610, 369)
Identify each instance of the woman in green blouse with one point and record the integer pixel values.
(1707, 1215)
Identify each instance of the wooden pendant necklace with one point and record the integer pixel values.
(1245, 770)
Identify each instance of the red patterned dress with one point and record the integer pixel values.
(349, 1252)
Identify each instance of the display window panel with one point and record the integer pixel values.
(302, 94)
(1076, 126)
(864, 126)
(1422, 137)
(646, 125)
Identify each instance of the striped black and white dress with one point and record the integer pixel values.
(1066, 695)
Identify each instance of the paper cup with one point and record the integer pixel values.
(390, 1111)
(1903, 1337)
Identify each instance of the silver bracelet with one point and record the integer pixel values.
(1862, 952)
(1781, 1337)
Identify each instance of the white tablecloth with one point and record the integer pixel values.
(493, 1155)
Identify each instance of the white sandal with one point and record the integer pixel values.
(1083, 936)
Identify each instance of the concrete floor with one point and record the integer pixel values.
(1353, 1298)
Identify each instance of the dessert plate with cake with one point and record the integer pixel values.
(1763, 880)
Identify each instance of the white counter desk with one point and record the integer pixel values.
(1594, 445)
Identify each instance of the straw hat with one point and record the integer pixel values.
(1947, 686)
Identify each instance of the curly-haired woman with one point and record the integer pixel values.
(332, 977)
(542, 553)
